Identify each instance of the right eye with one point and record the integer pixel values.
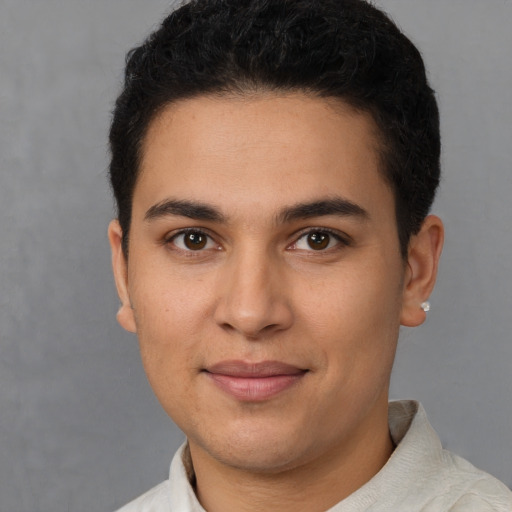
(192, 240)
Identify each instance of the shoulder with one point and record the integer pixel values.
(154, 500)
(471, 489)
(422, 476)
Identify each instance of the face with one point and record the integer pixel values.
(264, 278)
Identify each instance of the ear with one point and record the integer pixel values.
(420, 275)
(125, 315)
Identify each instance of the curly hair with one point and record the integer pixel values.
(343, 49)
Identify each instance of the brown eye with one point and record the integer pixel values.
(195, 241)
(192, 241)
(318, 241)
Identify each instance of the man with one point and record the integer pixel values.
(274, 163)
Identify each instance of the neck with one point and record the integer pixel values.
(312, 486)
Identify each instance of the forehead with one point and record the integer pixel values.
(261, 150)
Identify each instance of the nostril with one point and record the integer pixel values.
(270, 327)
(227, 327)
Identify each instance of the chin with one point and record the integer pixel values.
(258, 448)
(263, 460)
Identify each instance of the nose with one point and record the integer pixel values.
(254, 300)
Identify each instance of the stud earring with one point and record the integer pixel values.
(425, 306)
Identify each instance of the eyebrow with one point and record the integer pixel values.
(300, 211)
(332, 206)
(191, 209)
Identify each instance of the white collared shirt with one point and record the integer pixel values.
(419, 477)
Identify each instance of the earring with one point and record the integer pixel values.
(425, 306)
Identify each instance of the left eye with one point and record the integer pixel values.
(192, 241)
(317, 241)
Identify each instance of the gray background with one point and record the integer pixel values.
(79, 427)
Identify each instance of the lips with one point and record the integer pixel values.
(254, 382)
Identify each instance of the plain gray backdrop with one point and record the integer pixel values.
(80, 429)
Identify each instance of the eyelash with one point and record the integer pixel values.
(342, 240)
(168, 240)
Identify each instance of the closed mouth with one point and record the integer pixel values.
(254, 382)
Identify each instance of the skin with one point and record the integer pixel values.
(260, 290)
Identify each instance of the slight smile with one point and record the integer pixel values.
(254, 382)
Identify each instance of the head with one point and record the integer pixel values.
(346, 50)
(274, 162)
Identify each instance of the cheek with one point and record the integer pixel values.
(354, 319)
(170, 313)
(355, 298)
(167, 301)
(168, 349)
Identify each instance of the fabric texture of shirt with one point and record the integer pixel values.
(420, 476)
